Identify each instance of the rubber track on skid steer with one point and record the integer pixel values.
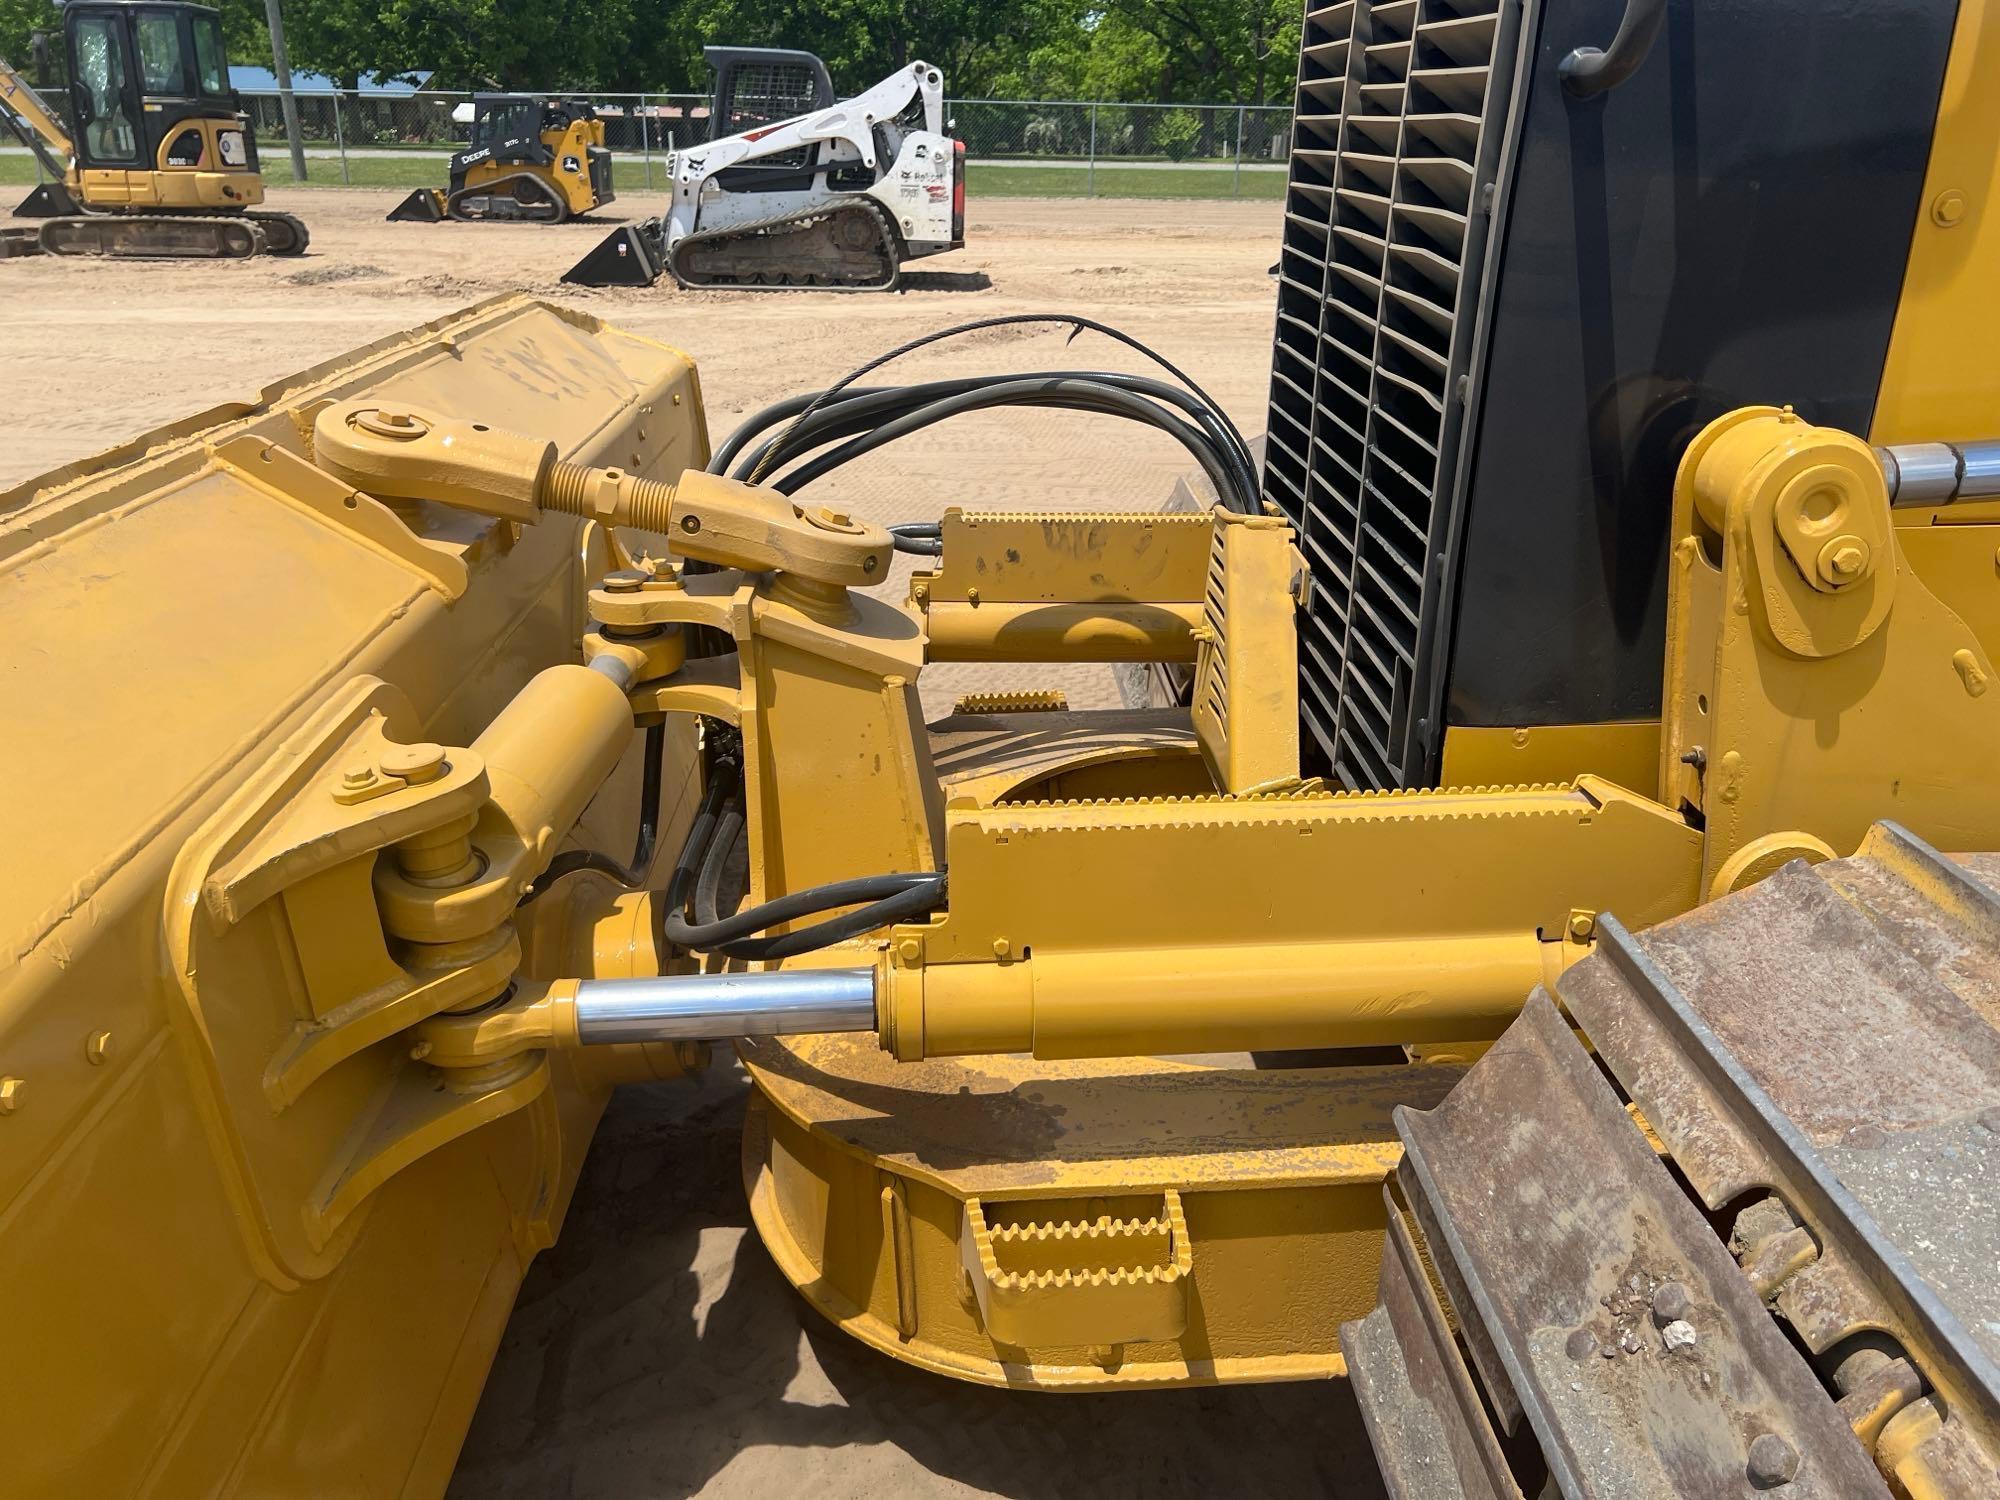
(155, 236)
(1819, 1056)
(889, 267)
(552, 208)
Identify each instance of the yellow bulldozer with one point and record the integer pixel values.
(161, 163)
(1530, 945)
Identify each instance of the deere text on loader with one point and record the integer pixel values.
(1602, 652)
(161, 162)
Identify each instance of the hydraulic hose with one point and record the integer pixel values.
(1087, 395)
(862, 410)
(887, 898)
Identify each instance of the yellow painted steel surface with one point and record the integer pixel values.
(175, 613)
(1939, 382)
(871, 1180)
(1625, 754)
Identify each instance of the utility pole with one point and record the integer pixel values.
(286, 102)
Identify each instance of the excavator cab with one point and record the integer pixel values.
(158, 159)
(150, 97)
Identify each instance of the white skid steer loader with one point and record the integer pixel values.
(795, 189)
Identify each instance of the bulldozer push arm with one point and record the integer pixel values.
(402, 975)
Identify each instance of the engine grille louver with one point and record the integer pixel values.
(1400, 111)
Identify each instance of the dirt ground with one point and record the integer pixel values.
(98, 352)
(656, 1351)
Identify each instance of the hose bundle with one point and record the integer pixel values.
(697, 879)
(847, 420)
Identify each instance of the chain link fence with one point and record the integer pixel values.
(1042, 148)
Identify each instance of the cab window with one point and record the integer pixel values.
(162, 68)
(100, 90)
(211, 63)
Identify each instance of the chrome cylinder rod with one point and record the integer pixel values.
(713, 1007)
(1940, 473)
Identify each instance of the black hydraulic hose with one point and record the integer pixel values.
(919, 538)
(858, 409)
(805, 903)
(888, 898)
(715, 863)
(913, 902)
(694, 847)
(1076, 323)
(1093, 396)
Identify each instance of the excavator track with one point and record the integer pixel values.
(156, 236)
(846, 246)
(284, 234)
(1791, 1285)
(519, 198)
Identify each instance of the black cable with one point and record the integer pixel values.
(809, 902)
(722, 844)
(889, 898)
(920, 538)
(1090, 395)
(1077, 323)
(860, 409)
(913, 902)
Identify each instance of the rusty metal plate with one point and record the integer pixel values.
(1828, 1035)
(1563, 1227)
(1430, 1433)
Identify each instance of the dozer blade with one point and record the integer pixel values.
(18, 240)
(49, 200)
(423, 206)
(633, 255)
(1819, 1060)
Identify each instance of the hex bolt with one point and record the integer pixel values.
(1671, 1304)
(1001, 947)
(357, 777)
(1772, 1462)
(10, 1095)
(97, 1047)
(1582, 926)
(1697, 757)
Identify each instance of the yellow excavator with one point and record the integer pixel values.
(161, 162)
(530, 159)
(1530, 946)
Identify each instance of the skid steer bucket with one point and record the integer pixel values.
(423, 206)
(49, 200)
(633, 255)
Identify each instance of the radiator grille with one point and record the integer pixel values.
(1399, 118)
